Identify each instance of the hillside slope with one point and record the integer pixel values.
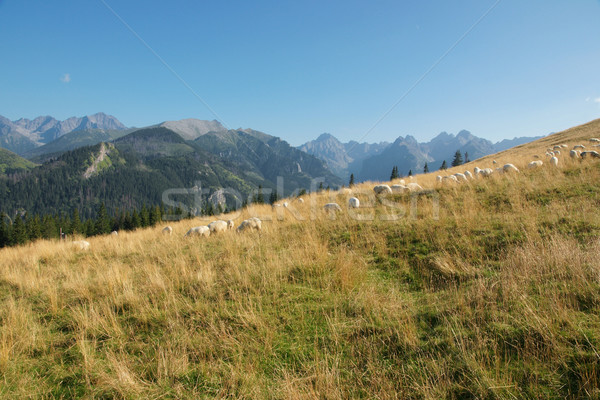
(483, 290)
(11, 162)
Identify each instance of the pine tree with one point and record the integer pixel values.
(444, 165)
(351, 183)
(458, 160)
(273, 198)
(102, 225)
(410, 172)
(467, 157)
(5, 231)
(76, 226)
(144, 216)
(155, 215)
(425, 168)
(19, 232)
(394, 174)
(49, 229)
(321, 187)
(260, 197)
(33, 227)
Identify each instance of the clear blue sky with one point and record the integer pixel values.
(296, 69)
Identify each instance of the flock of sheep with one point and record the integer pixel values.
(255, 224)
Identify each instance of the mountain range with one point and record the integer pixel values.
(136, 168)
(24, 134)
(375, 161)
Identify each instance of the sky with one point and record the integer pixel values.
(366, 71)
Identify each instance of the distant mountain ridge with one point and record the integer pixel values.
(375, 161)
(24, 134)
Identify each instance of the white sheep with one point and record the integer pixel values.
(399, 188)
(476, 171)
(557, 147)
(578, 147)
(450, 179)
(382, 189)
(114, 233)
(300, 200)
(564, 146)
(252, 224)
(332, 207)
(460, 177)
(199, 231)
(82, 244)
(487, 172)
(494, 162)
(574, 154)
(167, 230)
(438, 179)
(468, 174)
(549, 154)
(285, 204)
(510, 168)
(413, 186)
(557, 153)
(217, 226)
(353, 202)
(535, 164)
(554, 161)
(230, 224)
(594, 140)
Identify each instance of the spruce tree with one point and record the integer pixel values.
(76, 226)
(458, 160)
(425, 168)
(5, 231)
(273, 198)
(102, 225)
(33, 226)
(444, 165)
(410, 172)
(19, 232)
(394, 174)
(351, 183)
(467, 157)
(260, 197)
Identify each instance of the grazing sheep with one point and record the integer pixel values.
(252, 224)
(402, 182)
(487, 172)
(114, 233)
(167, 230)
(510, 168)
(536, 156)
(494, 162)
(557, 153)
(574, 154)
(460, 177)
(353, 202)
(275, 206)
(82, 244)
(564, 146)
(332, 207)
(450, 179)
(468, 174)
(285, 204)
(199, 231)
(550, 154)
(230, 224)
(382, 189)
(399, 188)
(592, 153)
(535, 164)
(557, 147)
(554, 161)
(594, 140)
(413, 186)
(438, 179)
(300, 200)
(477, 170)
(579, 147)
(346, 191)
(217, 226)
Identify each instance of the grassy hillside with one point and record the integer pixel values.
(10, 161)
(487, 290)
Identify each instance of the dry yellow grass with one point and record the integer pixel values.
(498, 296)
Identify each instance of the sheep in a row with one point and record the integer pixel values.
(353, 202)
(82, 244)
(535, 164)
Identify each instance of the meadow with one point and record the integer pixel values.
(483, 290)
